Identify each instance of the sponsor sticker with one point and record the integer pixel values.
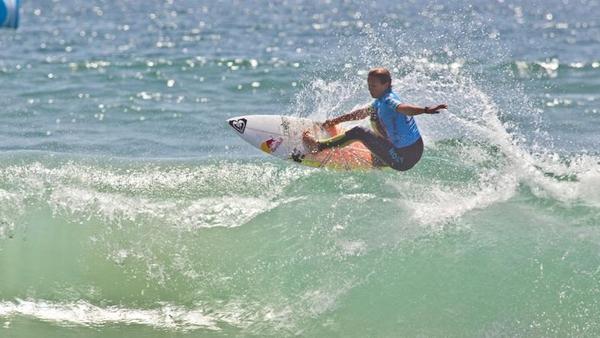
(285, 126)
(297, 155)
(239, 125)
(270, 145)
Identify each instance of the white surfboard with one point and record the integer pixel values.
(281, 136)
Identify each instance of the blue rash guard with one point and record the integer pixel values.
(399, 128)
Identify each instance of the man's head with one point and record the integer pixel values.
(379, 81)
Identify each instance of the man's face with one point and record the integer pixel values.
(376, 88)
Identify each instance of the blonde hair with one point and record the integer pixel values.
(381, 74)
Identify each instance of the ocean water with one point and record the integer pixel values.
(129, 208)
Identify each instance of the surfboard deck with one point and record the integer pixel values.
(281, 136)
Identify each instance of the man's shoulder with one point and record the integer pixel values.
(394, 95)
(389, 95)
(391, 99)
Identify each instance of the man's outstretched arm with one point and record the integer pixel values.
(354, 115)
(409, 109)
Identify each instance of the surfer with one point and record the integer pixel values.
(395, 139)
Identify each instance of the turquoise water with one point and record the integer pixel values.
(128, 208)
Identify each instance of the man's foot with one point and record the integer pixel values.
(310, 143)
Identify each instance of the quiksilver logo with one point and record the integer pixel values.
(239, 125)
(395, 157)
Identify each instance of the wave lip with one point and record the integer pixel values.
(203, 196)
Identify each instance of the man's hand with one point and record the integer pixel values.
(436, 109)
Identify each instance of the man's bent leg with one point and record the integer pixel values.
(383, 149)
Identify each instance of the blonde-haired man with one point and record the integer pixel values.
(395, 139)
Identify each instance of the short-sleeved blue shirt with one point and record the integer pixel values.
(399, 128)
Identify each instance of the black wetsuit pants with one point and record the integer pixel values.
(386, 154)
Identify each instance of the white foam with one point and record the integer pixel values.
(11, 207)
(581, 185)
(477, 119)
(439, 204)
(117, 208)
(223, 212)
(249, 316)
(323, 99)
(216, 179)
(82, 313)
(217, 195)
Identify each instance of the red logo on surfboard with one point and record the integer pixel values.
(270, 145)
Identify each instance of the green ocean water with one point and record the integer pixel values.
(128, 208)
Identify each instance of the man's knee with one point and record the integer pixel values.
(357, 132)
